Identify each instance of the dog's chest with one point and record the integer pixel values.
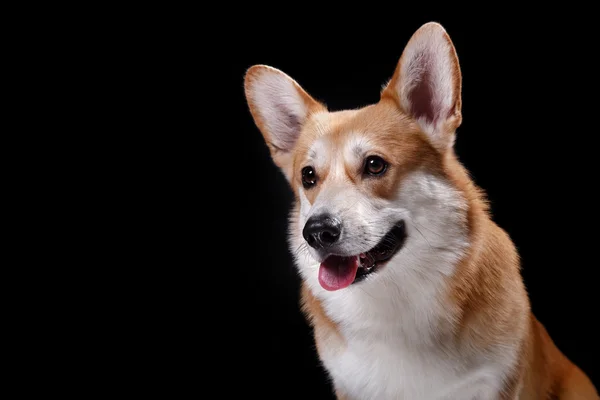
(374, 370)
(371, 370)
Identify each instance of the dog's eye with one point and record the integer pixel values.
(375, 165)
(309, 178)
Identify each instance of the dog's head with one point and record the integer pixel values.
(373, 186)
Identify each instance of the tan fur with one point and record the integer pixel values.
(486, 295)
(396, 139)
(325, 330)
(340, 395)
(493, 305)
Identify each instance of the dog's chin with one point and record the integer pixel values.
(338, 271)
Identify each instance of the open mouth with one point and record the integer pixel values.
(338, 272)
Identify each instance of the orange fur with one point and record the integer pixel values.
(396, 138)
(488, 292)
(486, 296)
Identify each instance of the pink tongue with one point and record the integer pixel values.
(338, 272)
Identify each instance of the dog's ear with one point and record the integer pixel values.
(280, 108)
(427, 84)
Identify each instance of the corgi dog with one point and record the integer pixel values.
(411, 289)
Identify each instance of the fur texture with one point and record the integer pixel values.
(448, 316)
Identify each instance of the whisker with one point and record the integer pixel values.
(417, 229)
(427, 229)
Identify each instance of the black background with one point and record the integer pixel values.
(527, 137)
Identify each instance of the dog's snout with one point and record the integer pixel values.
(322, 231)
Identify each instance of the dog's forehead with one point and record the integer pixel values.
(350, 146)
(350, 134)
(336, 145)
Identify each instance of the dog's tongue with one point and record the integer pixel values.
(337, 272)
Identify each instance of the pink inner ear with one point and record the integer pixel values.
(421, 97)
(428, 80)
(287, 128)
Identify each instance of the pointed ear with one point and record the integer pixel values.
(427, 84)
(280, 108)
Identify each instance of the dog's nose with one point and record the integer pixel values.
(322, 231)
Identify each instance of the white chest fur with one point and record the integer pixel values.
(368, 369)
(408, 356)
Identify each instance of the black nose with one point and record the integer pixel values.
(322, 231)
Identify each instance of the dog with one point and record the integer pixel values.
(411, 289)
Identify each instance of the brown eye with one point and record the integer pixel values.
(375, 165)
(309, 177)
